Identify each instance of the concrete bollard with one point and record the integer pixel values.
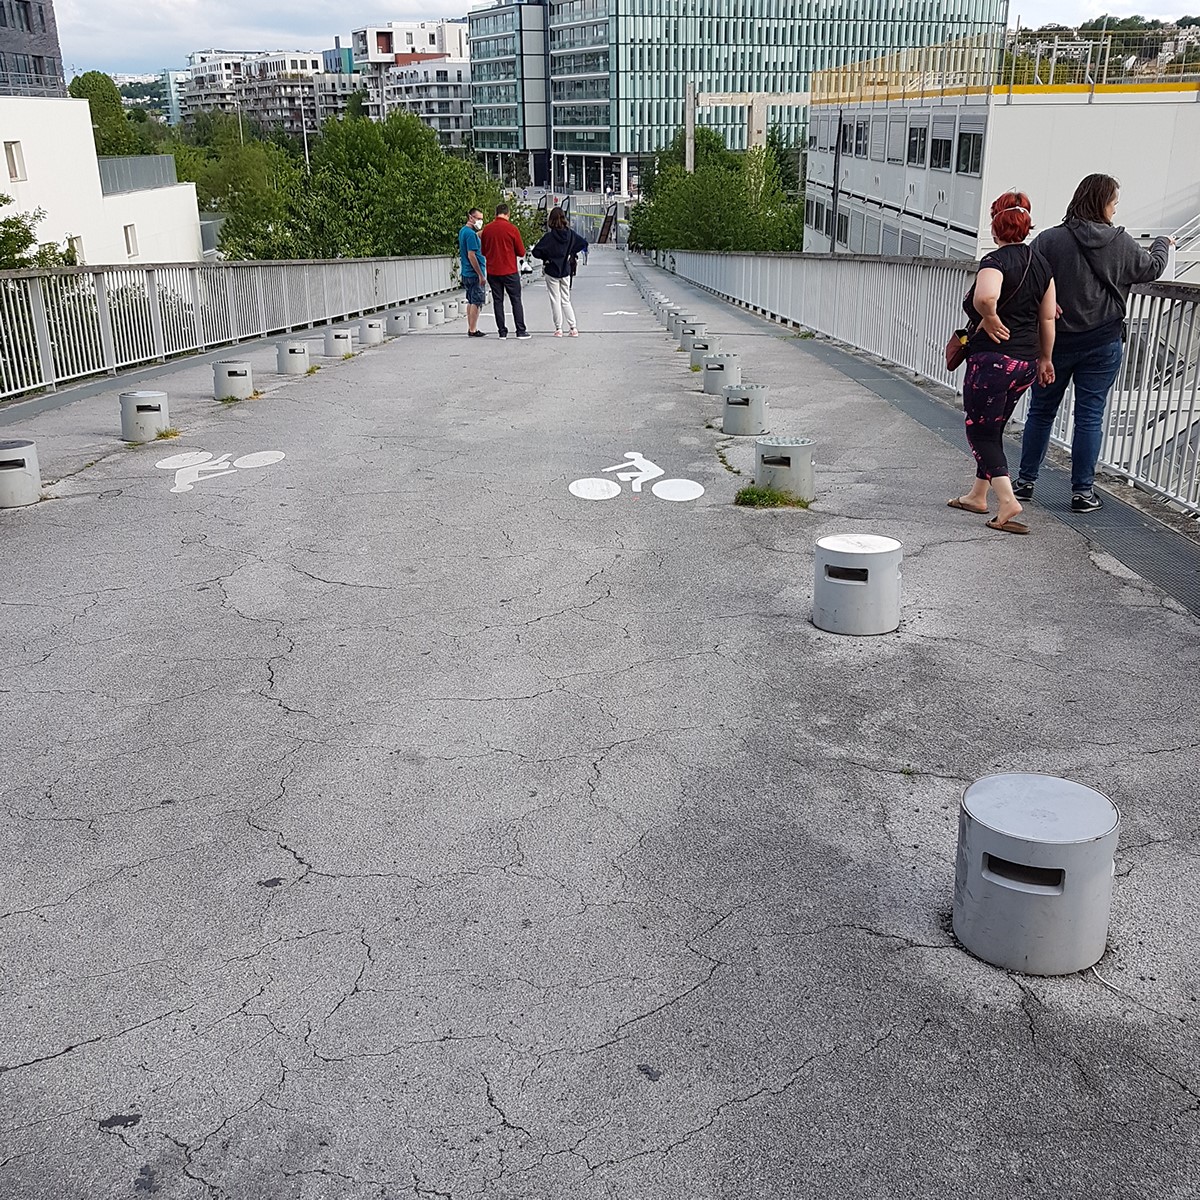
(669, 313)
(144, 415)
(857, 586)
(677, 322)
(745, 409)
(338, 342)
(437, 314)
(397, 322)
(689, 330)
(704, 347)
(786, 464)
(291, 358)
(1033, 874)
(721, 370)
(418, 318)
(370, 331)
(20, 477)
(232, 380)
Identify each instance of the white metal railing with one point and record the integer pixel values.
(903, 310)
(62, 325)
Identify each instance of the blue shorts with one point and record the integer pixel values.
(475, 293)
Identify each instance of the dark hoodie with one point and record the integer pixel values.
(556, 248)
(1091, 315)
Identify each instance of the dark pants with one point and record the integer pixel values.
(991, 389)
(512, 285)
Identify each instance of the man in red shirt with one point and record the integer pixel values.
(502, 247)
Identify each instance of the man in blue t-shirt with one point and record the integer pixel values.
(474, 269)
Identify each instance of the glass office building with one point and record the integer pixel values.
(615, 71)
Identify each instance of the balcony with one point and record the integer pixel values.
(136, 173)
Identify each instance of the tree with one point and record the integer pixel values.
(112, 131)
(19, 247)
(356, 106)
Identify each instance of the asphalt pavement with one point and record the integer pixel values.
(382, 820)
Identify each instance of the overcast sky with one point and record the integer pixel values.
(121, 35)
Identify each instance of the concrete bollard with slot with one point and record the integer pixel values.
(857, 585)
(677, 322)
(786, 464)
(397, 322)
(144, 415)
(704, 347)
(291, 358)
(20, 476)
(370, 331)
(745, 409)
(437, 314)
(232, 380)
(418, 318)
(1034, 873)
(338, 342)
(721, 370)
(689, 330)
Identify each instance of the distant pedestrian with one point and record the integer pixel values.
(502, 246)
(1011, 328)
(558, 249)
(474, 269)
(1095, 264)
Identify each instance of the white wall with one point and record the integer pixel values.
(1046, 145)
(61, 176)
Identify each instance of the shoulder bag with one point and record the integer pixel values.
(956, 347)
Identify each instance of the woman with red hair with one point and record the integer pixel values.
(1011, 340)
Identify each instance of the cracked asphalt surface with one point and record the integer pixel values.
(387, 822)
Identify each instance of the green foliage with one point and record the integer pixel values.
(113, 133)
(730, 202)
(1114, 24)
(753, 496)
(356, 106)
(19, 247)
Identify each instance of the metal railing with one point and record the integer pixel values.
(62, 325)
(903, 310)
(136, 173)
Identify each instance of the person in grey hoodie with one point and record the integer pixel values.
(1095, 264)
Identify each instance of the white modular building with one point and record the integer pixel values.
(110, 210)
(907, 152)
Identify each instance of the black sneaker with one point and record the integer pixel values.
(477, 333)
(502, 333)
(523, 335)
(1023, 489)
(1085, 502)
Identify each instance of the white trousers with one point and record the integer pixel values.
(560, 301)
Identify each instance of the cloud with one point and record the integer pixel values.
(119, 35)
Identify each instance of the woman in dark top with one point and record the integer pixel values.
(1011, 322)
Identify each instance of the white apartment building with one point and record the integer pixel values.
(907, 152)
(437, 90)
(279, 90)
(212, 77)
(378, 48)
(111, 211)
(175, 85)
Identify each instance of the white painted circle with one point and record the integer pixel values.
(595, 489)
(190, 458)
(858, 543)
(261, 458)
(677, 489)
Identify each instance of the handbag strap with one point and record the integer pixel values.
(1106, 284)
(1024, 275)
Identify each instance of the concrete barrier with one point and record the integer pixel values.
(721, 370)
(338, 342)
(144, 415)
(857, 585)
(20, 476)
(745, 409)
(291, 358)
(397, 322)
(232, 380)
(704, 347)
(1034, 871)
(370, 331)
(786, 464)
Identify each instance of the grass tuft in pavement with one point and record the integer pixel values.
(164, 435)
(312, 370)
(753, 496)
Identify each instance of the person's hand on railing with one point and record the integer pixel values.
(994, 328)
(1045, 372)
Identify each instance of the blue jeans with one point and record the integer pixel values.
(1094, 372)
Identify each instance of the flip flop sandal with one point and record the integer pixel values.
(956, 503)
(1009, 526)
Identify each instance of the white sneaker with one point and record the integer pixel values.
(558, 333)
(573, 333)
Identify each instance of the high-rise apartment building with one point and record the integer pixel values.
(616, 71)
(30, 58)
(435, 88)
(379, 48)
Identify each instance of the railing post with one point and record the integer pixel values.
(233, 330)
(108, 345)
(41, 331)
(156, 324)
(262, 306)
(197, 317)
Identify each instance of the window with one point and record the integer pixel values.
(970, 154)
(131, 246)
(843, 229)
(862, 138)
(847, 137)
(895, 139)
(408, 39)
(433, 39)
(917, 137)
(15, 159)
(940, 150)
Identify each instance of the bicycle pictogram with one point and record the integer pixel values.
(635, 470)
(195, 466)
